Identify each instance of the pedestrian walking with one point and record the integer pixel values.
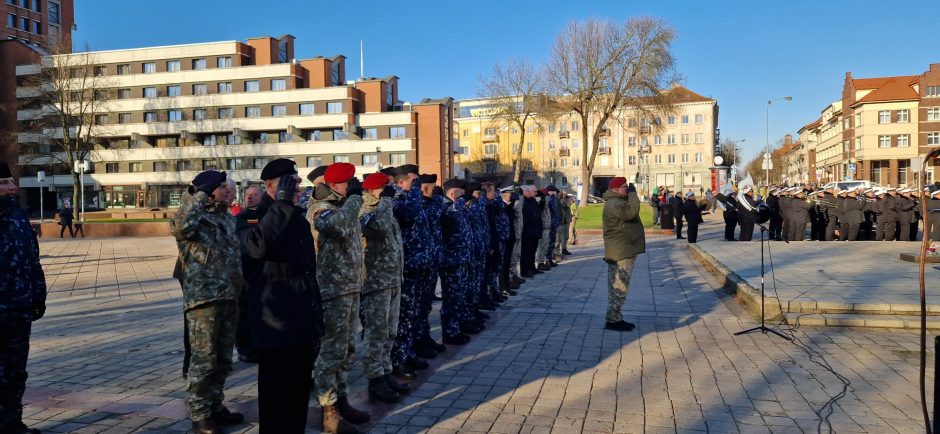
(675, 202)
(65, 220)
(624, 239)
(693, 216)
(22, 301)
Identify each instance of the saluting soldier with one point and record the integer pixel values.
(747, 219)
(906, 205)
(852, 216)
(333, 214)
(776, 218)
(933, 215)
(432, 206)
(455, 261)
(836, 212)
(888, 220)
(799, 210)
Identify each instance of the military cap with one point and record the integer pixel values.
(338, 173)
(454, 183)
(551, 187)
(209, 177)
(689, 194)
(278, 167)
(506, 189)
(389, 171)
(472, 186)
(428, 178)
(316, 173)
(405, 169)
(5, 170)
(935, 193)
(375, 180)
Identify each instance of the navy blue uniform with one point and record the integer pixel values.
(432, 209)
(418, 261)
(455, 259)
(480, 229)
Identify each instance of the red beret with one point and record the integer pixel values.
(617, 182)
(338, 173)
(375, 180)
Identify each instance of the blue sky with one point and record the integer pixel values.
(740, 52)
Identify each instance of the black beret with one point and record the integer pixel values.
(454, 183)
(316, 173)
(278, 167)
(551, 187)
(472, 186)
(428, 178)
(407, 168)
(390, 171)
(209, 177)
(5, 170)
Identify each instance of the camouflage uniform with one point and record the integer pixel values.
(516, 246)
(455, 257)
(480, 230)
(555, 212)
(415, 235)
(381, 289)
(212, 281)
(22, 289)
(574, 224)
(561, 234)
(336, 230)
(499, 233)
(427, 283)
(618, 284)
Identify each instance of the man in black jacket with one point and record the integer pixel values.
(776, 217)
(888, 220)
(693, 215)
(676, 203)
(284, 306)
(800, 213)
(747, 213)
(531, 231)
(729, 214)
(906, 215)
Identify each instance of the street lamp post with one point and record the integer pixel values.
(41, 177)
(769, 102)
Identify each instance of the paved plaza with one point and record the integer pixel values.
(107, 356)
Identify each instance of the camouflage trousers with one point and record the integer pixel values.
(453, 292)
(561, 239)
(336, 348)
(427, 283)
(542, 252)
(516, 257)
(380, 328)
(491, 276)
(550, 249)
(474, 282)
(573, 231)
(618, 284)
(212, 330)
(404, 342)
(14, 351)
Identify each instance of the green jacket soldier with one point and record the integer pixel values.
(334, 219)
(561, 245)
(211, 264)
(624, 239)
(381, 289)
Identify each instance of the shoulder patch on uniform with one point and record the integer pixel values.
(252, 221)
(325, 213)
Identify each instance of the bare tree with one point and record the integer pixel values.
(484, 166)
(599, 68)
(71, 96)
(516, 90)
(728, 151)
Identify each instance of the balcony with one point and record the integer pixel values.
(490, 138)
(563, 135)
(564, 152)
(605, 132)
(603, 150)
(645, 130)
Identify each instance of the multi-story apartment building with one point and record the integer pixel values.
(177, 110)
(33, 29)
(674, 151)
(879, 130)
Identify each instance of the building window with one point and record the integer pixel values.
(306, 108)
(124, 93)
(124, 118)
(698, 157)
(173, 90)
(24, 24)
(370, 159)
(173, 65)
(490, 149)
(111, 167)
(699, 138)
(699, 119)
(200, 89)
(37, 27)
(631, 141)
(515, 148)
(233, 163)
(631, 160)
(11, 20)
(904, 116)
(175, 115)
(884, 117)
(314, 136)
(562, 128)
(101, 119)
(466, 133)
(150, 92)
(160, 166)
(528, 146)
(685, 119)
(933, 114)
(225, 87)
(150, 68)
(225, 113)
(575, 126)
(858, 143)
(932, 91)
(631, 123)
(845, 123)
(224, 62)
(210, 164)
(340, 158)
(396, 132)
(251, 86)
(150, 117)
(657, 140)
(334, 107)
(279, 84)
(184, 165)
(671, 159)
(135, 167)
(463, 150)
(575, 162)
(124, 69)
(551, 127)
(884, 141)
(199, 114)
(370, 133)
(515, 130)
(933, 139)
(564, 162)
(53, 13)
(199, 64)
(339, 134)
(314, 161)
(575, 143)
(685, 158)
(279, 110)
(37, 5)
(685, 139)
(904, 140)
(671, 139)
(253, 112)
(658, 159)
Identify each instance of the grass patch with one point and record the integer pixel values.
(125, 220)
(590, 217)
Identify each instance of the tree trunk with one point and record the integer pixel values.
(76, 195)
(518, 171)
(586, 166)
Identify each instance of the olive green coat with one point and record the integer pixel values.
(623, 230)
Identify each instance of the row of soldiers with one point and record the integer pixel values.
(854, 214)
(371, 253)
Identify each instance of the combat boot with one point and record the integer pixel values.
(460, 339)
(21, 428)
(432, 344)
(206, 426)
(349, 412)
(425, 352)
(403, 372)
(543, 267)
(379, 390)
(226, 417)
(333, 423)
(416, 364)
(401, 389)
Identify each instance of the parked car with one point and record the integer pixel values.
(845, 185)
(594, 199)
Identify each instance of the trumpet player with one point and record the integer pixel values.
(831, 196)
(799, 213)
(852, 216)
(907, 215)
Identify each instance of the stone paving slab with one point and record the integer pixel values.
(107, 357)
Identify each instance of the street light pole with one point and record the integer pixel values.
(767, 137)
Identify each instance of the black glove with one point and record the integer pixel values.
(39, 310)
(354, 188)
(631, 188)
(387, 191)
(286, 189)
(437, 191)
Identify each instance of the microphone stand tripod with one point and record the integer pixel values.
(762, 327)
